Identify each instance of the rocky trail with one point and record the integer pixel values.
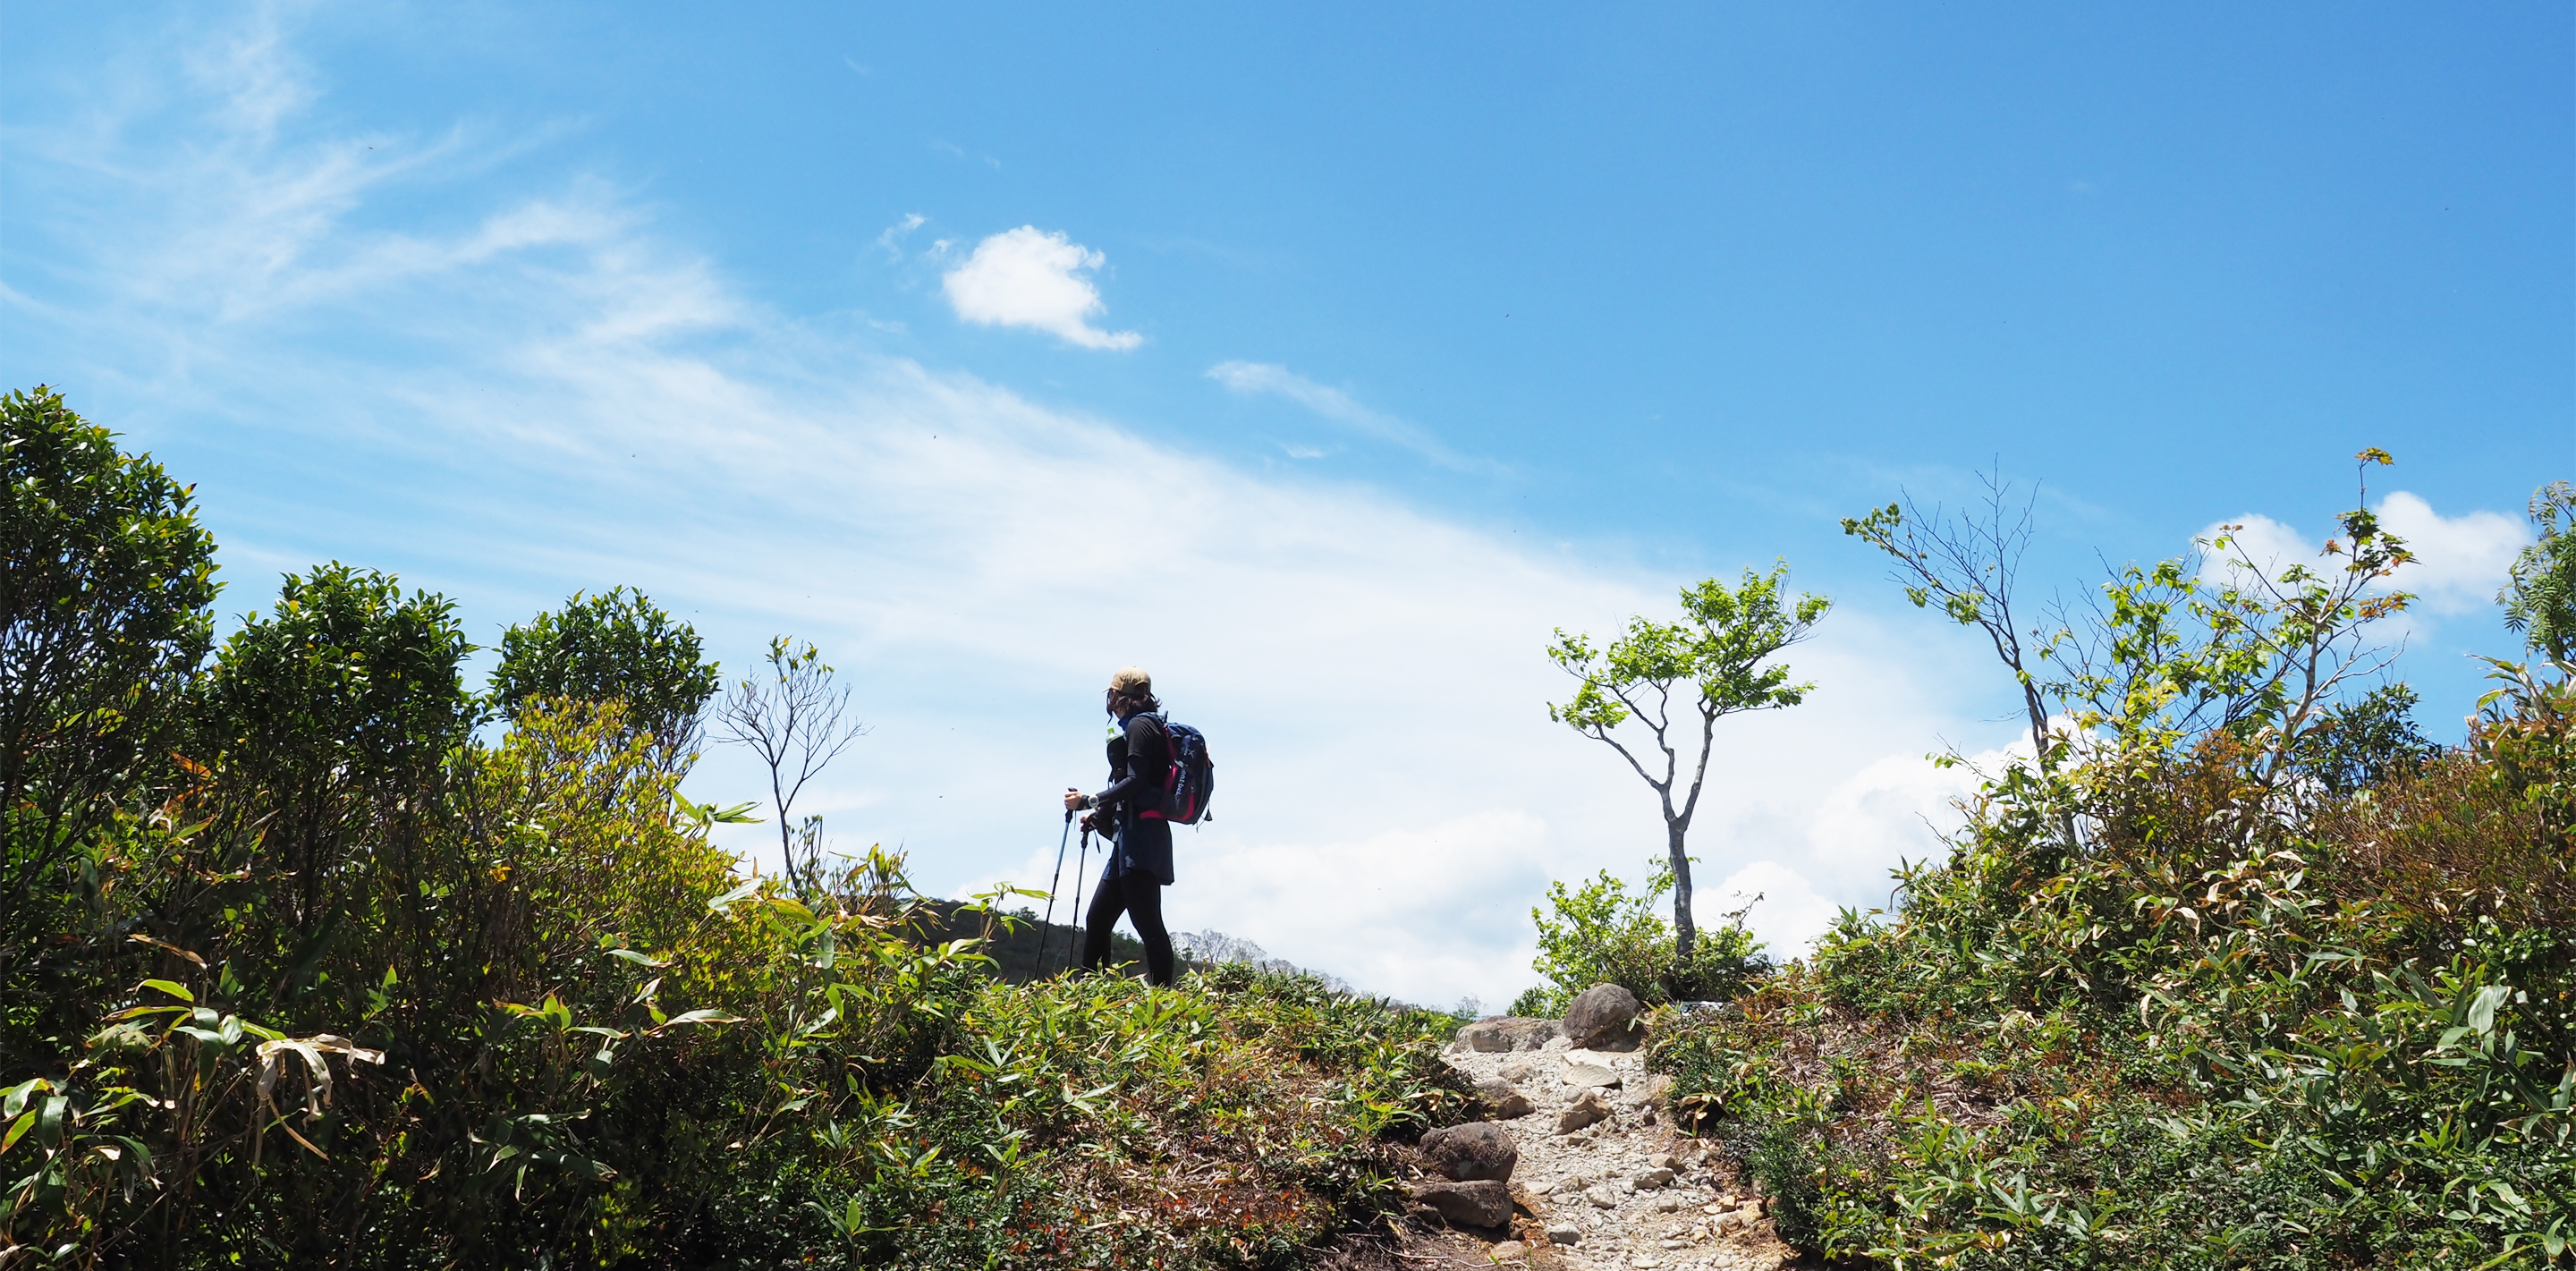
(1581, 1169)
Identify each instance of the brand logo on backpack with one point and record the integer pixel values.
(1190, 780)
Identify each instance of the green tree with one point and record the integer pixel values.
(329, 723)
(2368, 742)
(105, 583)
(2171, 653)
(2539, 597)
(612, 647)
(1719, 657)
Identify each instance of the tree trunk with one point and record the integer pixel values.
(1685, 932)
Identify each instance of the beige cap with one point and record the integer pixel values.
(1131, 680)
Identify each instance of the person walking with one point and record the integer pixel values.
(1140, 854)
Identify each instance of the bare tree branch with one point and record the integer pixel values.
(794, 720)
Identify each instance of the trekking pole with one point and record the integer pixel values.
(1045, 944)
(1081, 868)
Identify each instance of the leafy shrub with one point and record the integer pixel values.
(1602, 934)
(2237, 972)
(330, 980)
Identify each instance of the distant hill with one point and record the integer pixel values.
(1028, 947)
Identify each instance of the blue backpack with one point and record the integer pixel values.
(1190, 781)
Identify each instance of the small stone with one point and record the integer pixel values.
(1652, 1179)
(1543, 1189)
(1674, 1244)
(1507, 1249)
(1602, 1197)
(1518, 1070)
(1588, 1110)
(1508, 1103)
(1668, 1204)
(1563, 1233)
(1589, 1076)
(1663, 1160)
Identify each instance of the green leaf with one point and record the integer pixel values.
(17, 1129)
(702, 1015)
(49, 1119)
(2482, 1010)
(179, 991)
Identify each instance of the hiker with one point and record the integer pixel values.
(1140, 853)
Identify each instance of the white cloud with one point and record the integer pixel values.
(1259, 378)
(552, 397)
(1787, 913)
(2459, 562)
(891, 241)
(2259, 541)
(1029, 278)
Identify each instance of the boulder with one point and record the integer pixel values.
(1507, 1102)
(1466, 1153)
(1582, 1112)
(1504, 1033)
(1604, 1017)
(1485, 1202)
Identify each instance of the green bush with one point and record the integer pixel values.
(2338, 1038)
(1599, 933)
(330, 980)
(612, 647)
(2236, 972)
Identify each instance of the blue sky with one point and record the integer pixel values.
(1321, 360)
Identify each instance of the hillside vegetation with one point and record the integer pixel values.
(310, 955)
(2234, 971)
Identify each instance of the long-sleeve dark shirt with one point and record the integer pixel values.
(1140, 757)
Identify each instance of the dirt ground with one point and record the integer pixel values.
(1597, 1198)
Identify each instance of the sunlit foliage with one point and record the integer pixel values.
(328, 978)
(2301, 992)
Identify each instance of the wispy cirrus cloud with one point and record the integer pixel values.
(1257, 379)
(1037, 279)
(512, 395)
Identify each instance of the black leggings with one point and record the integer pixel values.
(1141, 899)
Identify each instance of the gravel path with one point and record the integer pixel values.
(1626, 1192)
